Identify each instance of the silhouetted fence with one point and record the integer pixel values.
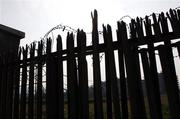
(26, 93)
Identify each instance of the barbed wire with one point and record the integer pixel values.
(73, 30)
(70, 29)
(125, 16)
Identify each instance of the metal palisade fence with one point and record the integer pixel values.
(25, 92)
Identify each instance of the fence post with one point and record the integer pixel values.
(72, 79)
(49, 106)
(53, 80)
(39, 81)
(83, 76)
(23, 85)
(96, 69)
(108, 80)
(60, 78)
(123, 82)
(31, 83)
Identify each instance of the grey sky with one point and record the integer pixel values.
(36, 17)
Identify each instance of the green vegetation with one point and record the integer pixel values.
(164, 101)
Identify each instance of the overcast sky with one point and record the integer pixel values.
(36, 17)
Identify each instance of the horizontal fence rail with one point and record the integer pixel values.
(115, 46)
(33, 84)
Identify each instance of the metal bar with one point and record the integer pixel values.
(49, 107)
(96, 70)
(39, 82)
(23, 88)
(72, 79)
(108, 85)
(83, 76)
(60, 78)
(101, 47)
(31, 84)
(123, 81)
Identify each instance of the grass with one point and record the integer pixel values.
(164, 101)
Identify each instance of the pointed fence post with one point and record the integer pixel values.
(108, 80)
(72, 79)
(83, 76)
(123, 81)
(60, 81)
(96, 69)
(49, 106)
(39, 80)
(31, 83)
(52, 84)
